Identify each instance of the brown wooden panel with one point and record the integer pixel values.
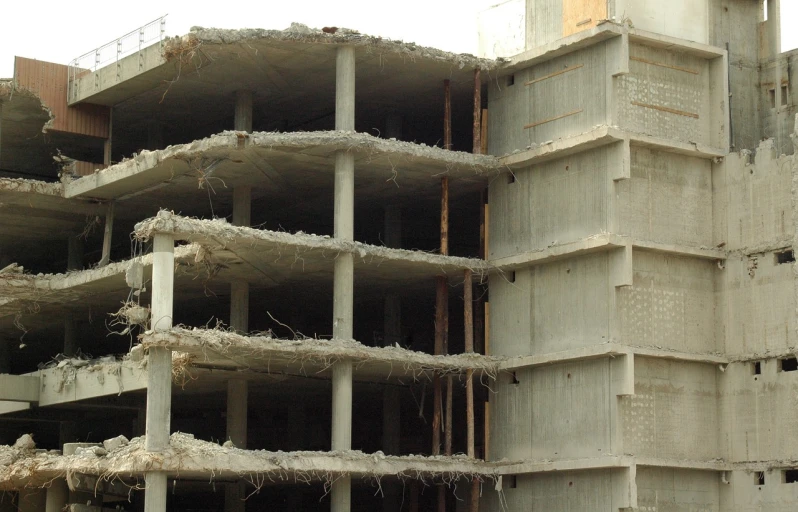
(578, 15)
(49, 82)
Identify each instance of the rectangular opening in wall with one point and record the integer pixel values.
(785, 257)
(772, 95)
(510, 80)
(511, 276)
(757, 367)
(784, 96)
(512, 481)
(789, 476)
(789, 364)
(510, 177)
(759, 478)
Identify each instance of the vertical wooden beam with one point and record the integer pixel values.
(468, 317)
(477, 112)
(108, 142)
(447, 115)
(484, 140)
(440, 307)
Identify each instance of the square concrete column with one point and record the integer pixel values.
(343, 279)
(238, 389)
(159, 367)
(57, 495)
(243, 113)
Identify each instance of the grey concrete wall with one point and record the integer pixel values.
(758, 412)
(677, 490)
(743, 495)
(778, 97)
(736, 22)
(668, 198)
(544, 22)
(553, 203)
(560, 492)
(752, 199)
(551, 307)
(514, 106)
(673, 413)
(669, 88)
(756, 306)
(670, 304)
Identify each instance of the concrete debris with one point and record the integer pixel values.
(25, 442)
(115, 443)
(189, 458)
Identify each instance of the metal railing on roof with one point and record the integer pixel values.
(131, 43)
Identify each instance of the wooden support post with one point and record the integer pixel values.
(477, 112)
(445, 215)
(447, 115)
(469, 348)
(108, 141)
(440, 307)
(474, 502)
(108, 233)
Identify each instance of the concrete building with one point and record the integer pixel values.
(557, 277)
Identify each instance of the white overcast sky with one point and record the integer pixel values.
(58, 31)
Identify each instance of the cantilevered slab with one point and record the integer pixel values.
(283, 257)
(223, 349)
(283, 162)
(190, 459)
(88, 286)
(37, 210)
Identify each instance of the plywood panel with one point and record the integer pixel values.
(579, 15)
(49, 82)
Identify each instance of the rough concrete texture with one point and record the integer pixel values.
(305, 252)
(300, 33)
(190, 458)
(397, 161)
(214, 347)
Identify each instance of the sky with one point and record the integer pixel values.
(58, 31)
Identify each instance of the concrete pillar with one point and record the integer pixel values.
(57, 496)
(108, 233)
(243, 115)
(75, 252)
(32, 500)
(343, 279)
(159, 369)
(238, 389)
(391, 395)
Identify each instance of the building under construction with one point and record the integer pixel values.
(318, 270)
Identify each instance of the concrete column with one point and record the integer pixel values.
(75, 252)
(343, 279)
(57, 496)
(32, 500)
(391, 395)
(238, 389)
(159, 369)
(243, 115)
(108, 233)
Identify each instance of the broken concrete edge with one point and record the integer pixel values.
(458, 163)
(26, 186)
(9, 88)
(301, 33)
(203, 343)
(190, 458)
(36, 286)
(188, 229)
